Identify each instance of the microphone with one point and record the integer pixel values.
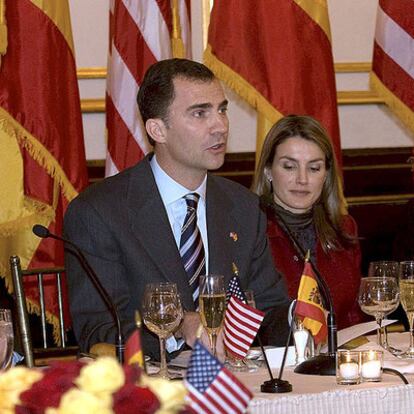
(323, 364)
(44, 233)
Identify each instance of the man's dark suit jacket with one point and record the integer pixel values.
(122, 227)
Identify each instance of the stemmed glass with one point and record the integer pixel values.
(6, 338)
(407, 301)
(162, 314)
(385, 268)
(378, 296)
(212, 302)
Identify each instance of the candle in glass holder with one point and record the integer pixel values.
(348, 367)
(371, 365)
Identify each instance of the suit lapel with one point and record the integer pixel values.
(221, 223)
(150, 225)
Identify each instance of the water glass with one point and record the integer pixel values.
(6, 338)
(162, 314)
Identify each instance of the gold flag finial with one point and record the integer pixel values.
(3, 29)
(235, 269)
(307, 257)
(176, 40)
(138, 319)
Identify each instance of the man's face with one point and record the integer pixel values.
(195, 134)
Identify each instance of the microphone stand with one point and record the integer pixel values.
(323, 364)
(44, 232)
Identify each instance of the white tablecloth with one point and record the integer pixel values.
(321, 395)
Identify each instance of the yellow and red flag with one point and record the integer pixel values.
(133, 348)
(140, 34)
(309, 305)
(392, 73)
(42, 158)
(277, 55)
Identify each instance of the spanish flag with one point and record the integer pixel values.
(42, 157)
(277, 55)
(133, 346)
(309, 305)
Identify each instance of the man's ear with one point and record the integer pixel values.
(156, 129)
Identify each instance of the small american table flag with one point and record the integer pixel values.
(241, 321)
(212, 388)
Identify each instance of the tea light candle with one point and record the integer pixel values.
(371, 365)
(349, 370)
(371, 369)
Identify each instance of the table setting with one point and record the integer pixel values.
(372, 376)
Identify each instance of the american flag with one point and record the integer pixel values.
(241, 321)
(211, 387)
(140, 34)
(392, 75)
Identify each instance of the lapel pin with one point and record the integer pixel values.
(234, 236)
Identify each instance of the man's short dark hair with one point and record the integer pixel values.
(156, 92)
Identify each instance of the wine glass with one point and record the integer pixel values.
(387, 268)
(6, 338)
(407, 301)
(382, 268)
(162, 314)
(212, 302)
(378, 296)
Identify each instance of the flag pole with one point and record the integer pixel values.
(274, 385)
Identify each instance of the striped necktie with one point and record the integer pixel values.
(191, 246)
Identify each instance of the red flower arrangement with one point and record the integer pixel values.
(76, 387)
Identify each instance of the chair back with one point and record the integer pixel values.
(22, 314)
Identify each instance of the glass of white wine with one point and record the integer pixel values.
(162, 314)
(378, 296)
(212, 305)
(407, 301)
(6, 338)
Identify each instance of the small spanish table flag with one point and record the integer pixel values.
(309, 304)
(133, 347)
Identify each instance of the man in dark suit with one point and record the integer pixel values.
(130, 225)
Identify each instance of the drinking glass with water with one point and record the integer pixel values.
(6, 338)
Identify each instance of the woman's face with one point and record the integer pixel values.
(298, 173)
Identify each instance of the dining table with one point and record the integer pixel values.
(322, 395)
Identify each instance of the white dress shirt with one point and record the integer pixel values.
(172, 195)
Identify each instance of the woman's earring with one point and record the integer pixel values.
(268, 176)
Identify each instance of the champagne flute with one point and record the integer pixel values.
(162, 314)
(378, 296)
(407, 301)
(6, 338)
(385, 268)
(212, 302)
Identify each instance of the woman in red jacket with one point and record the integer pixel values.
(297, 179)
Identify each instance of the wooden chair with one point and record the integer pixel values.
(39, 356)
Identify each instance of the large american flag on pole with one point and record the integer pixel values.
(140, 34)
(392, 73)
(212, 388)
(241, 321)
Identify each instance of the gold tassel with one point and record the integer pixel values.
(177, 44)
(3, 29)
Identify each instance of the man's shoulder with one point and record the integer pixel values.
(233, 189)
(116, 186)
